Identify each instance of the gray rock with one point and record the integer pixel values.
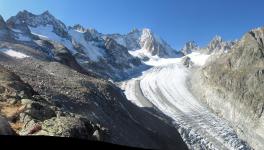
(5, 128)
(70, 127)
(187, 61)
(189, 47)
(39, 111)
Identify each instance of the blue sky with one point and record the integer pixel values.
(176, 21)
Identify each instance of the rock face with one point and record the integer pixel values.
(189, 47)
(4, 30)
(187, 62)
(26, 18)
(234, 82)
(119, 56)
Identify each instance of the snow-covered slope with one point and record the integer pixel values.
(90, 48)
(144, 43)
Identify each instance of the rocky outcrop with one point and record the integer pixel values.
(234, 82)
(72, 127)
(189, 47)
(218, 45)
(187, 62)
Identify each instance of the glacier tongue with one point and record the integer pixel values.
(164, 87)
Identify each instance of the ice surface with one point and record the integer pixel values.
(164, 87)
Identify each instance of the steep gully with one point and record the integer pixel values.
(164, 87)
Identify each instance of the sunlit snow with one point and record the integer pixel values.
(13, 53)
(93, 52)
(164, 87)
(46, 32)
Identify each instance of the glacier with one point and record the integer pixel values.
(164, 87)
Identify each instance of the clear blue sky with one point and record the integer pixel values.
(176, 21)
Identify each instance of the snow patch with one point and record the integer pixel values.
(22, 37)
(16, 30)
(13, 53)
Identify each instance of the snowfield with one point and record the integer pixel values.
(164, 88)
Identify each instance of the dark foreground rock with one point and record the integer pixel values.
(5, 128)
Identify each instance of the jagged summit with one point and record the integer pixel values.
(78, 28)
(189, 47)
(36, 21)
(217, 44)
(5, 33)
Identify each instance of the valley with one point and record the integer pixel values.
(130, 89)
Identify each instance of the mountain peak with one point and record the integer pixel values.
(134, 30)
(1, 19)
(146, 30)
(189, 47)
(2, 23)
(24, 12)
(31, 20)
(217, 44)
(47, 13)
(218, 38)
(78, 28)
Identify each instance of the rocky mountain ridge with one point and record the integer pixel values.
(216, 45)
(234, 81)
